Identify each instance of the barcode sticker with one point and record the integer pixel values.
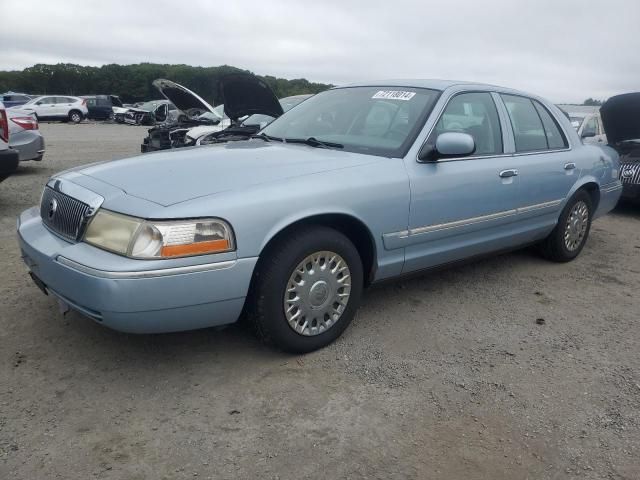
(394, 95)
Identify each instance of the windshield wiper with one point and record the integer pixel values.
(314, 142)
(265, 137)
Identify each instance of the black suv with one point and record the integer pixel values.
(100, 106)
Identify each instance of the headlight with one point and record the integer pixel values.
(138, 238)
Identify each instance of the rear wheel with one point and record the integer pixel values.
(306, 289)
(569, 236)
(75, 116)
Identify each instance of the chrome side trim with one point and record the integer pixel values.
(539, 206)
(461, 223)
(145, 273)
(615, 186)
(403, 234)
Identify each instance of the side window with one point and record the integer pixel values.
(91, 102)
(47, 101)
(527, 127)
(590, 128)
(555, 137)
(476, 114)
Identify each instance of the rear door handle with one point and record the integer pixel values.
(569, 166)
(508, 173)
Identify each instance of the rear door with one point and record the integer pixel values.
(546, 165)
(461, 207)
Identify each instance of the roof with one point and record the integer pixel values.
(436, 84)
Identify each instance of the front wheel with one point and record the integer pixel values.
(306, 289)
(570, 234)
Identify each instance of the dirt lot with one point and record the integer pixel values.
(448, 376)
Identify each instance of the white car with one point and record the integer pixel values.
(57, 107)
(587, 122)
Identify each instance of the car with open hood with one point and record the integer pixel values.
(357, 185)
(247, 103)
(153, 112)
(621, 119)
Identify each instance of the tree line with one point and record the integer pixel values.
(132, 83)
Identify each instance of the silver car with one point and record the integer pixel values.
(587, 122)
(354, 186)
(25, 137)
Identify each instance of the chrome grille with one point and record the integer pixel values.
(63, 214)
(634, 178)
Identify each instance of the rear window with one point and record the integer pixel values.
(555, 137)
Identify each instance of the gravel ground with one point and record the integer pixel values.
(447, 376)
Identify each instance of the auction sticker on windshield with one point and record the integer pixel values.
(394, 95)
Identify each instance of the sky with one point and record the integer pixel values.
(565, 50)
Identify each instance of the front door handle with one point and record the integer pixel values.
(508, 173)
(569, 166)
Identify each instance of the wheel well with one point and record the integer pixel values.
(352, 228)
(594, 192)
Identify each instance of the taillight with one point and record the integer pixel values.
(84, 101)
(28, 123)
(4, 126)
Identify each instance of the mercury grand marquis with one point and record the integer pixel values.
(356, 185)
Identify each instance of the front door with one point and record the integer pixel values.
(461, 207)
(45, 107)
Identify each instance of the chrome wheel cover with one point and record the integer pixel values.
(576, 226)
(317, 293)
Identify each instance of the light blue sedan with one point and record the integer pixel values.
(356, 185)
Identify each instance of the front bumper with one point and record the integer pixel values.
(138, 296)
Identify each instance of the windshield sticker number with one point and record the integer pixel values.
(394, 95)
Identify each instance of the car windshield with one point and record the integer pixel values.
(373, 120)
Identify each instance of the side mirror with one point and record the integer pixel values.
(448, 144)
(588, 133)
(39, 102)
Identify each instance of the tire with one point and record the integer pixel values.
(562, 244)
(271, 311)
(75, 116)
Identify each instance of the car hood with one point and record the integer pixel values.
(242, 94)
(170, 177)
(245, 94)
(183, 98)
(621, 117)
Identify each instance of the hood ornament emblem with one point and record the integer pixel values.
(53, 208)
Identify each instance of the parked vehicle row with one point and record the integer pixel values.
(356, 185)
(249, 105)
